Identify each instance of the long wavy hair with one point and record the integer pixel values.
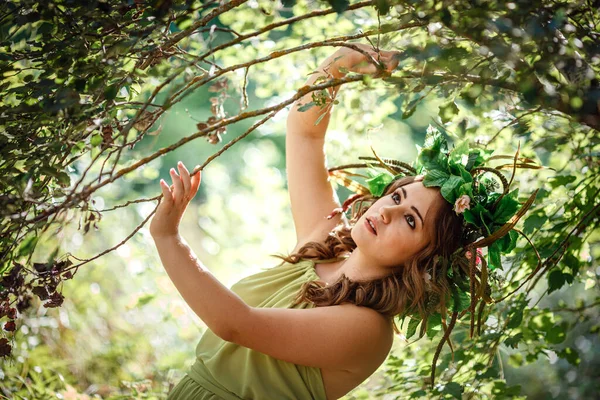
(405, 290)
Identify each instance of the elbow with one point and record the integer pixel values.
(232, 331)
(225, 334)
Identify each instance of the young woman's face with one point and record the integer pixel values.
(394, 228)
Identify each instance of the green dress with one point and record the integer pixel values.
(225, 370)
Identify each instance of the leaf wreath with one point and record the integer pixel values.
(489, 210)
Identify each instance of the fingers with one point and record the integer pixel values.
(166, 191)
(185, 178)
(178, 186)
(382, 62)
(184, 186)
(390, 60)
(195, 182)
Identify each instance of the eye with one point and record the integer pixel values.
(409, 218)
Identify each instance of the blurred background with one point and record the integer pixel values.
(124, 331)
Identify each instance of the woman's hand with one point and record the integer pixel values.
(174, 202)
(364, 62)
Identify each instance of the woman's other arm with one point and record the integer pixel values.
(311, 195)
(214, 303)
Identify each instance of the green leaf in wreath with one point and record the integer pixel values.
(378, 183)
(434, 325)
(435, 178)
(460, 153)
(508, 242)
(471, 218)
(450, 187)
(506, 208)
(465, 188)
(460, 170)
(494, 256)
(460, 299)
(412, 327)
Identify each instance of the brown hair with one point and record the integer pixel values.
(402, 292)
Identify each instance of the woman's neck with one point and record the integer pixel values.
(357, 268)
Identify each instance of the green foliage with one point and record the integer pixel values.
(76, 133)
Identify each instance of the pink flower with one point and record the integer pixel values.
(478, 259)
(462, 203)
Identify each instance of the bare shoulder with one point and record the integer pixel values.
(343, 337)
(378, 330)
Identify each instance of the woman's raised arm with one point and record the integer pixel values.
(311, 195)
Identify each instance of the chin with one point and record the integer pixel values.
(361, 239)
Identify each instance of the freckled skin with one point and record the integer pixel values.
(396, 241)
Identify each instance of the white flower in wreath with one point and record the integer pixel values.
(462, 203)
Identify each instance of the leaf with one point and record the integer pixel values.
(494, 256)
(320, 118)
(572, 262)
(412, 327)
(410, 110)
(533, 222)
(562, 180)
(454, 389)
(515, 319)
(419, 393)
(513, 341)
(557, 334)
(378, 183)
(382, 6)
(449, 187)
(460, 152)
(64, 180)
(27, 246)
(506, 208)
(448, 111)
(145, 299)
(471, 218)
(556, 280)
(339, 5)
(96, 140)
(508, 242)
(306, 106)
(435, 178)
(434, 325)
(570, 354)
(460, 300)
(41, 292)
(110, 92)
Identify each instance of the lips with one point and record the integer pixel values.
(373, 228)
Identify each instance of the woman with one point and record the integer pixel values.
(320, 323)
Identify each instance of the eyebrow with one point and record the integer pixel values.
(413, 207)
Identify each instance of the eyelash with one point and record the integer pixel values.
(413, 225)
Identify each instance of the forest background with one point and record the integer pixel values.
(99, 99)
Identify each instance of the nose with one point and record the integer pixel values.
(387, 213)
